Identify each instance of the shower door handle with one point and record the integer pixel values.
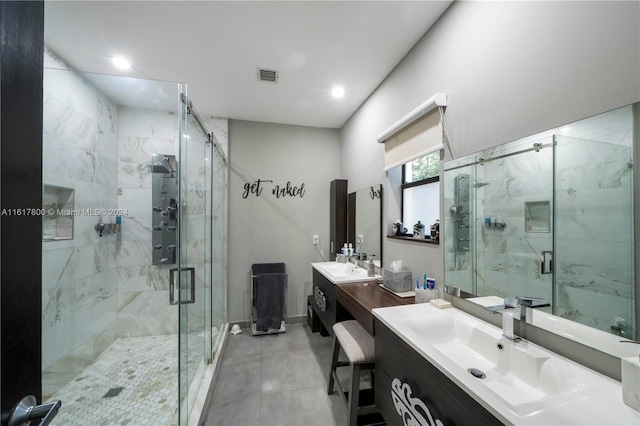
(546, 262)
(27, 411)
(182, 286)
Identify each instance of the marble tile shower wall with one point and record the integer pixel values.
(79, 276)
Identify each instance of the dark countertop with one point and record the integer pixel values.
(360, 298)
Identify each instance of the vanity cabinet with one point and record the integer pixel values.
(324, 300)
(409, 386)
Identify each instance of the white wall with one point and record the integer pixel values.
(509, 69)
(265, 229)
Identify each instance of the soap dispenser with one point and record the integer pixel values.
(371, 267)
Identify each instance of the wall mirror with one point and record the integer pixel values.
(364, 221)
(550, 216)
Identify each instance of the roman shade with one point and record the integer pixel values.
(417, 134)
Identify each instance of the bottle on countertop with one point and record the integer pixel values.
(371, 267)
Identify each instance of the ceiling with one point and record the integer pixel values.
(216, 47)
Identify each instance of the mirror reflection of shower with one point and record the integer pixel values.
(460, 211)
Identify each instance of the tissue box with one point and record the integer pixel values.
(397, 281)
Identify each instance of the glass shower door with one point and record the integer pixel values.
(218, 224)
(194, 260)
(594, 234)
(514, 223)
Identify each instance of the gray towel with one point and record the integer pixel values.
(268, 268)
(269, 291)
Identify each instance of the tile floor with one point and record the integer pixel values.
(271, 380)
(133, 382)
(146, 370)
(278, 379)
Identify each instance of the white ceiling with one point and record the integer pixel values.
(216, 46)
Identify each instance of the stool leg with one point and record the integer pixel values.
(334, 364)
(373, 378)
(354, 395)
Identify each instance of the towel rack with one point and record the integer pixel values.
(268, 298)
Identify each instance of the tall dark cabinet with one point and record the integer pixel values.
(21, 50)
(338, 217)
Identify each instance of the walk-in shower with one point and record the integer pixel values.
(127, 336)
(555, 222)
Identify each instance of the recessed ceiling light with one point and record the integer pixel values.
(337, 92)
(121, 62)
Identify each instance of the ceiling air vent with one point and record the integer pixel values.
(265, 74)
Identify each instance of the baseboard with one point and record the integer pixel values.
(290, 320)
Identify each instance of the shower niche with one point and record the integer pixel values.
(58, 212)
(164, 208)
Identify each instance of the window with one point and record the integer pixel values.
(421, 191)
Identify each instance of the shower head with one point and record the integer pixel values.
(480, 184)
(171, 169)
(163, 164)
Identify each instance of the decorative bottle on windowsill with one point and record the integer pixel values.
(435, 231)
(418, 230)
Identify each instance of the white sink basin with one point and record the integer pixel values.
(600, 340)
(338, 273)
(518, 372)
(523, 384)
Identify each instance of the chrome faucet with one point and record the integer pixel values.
(510, 309)
(358, 259)
(452, 289)
(530, 302)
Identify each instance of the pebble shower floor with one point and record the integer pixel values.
(146, 369)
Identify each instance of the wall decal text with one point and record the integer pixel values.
(287, 190)
(375, 193)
